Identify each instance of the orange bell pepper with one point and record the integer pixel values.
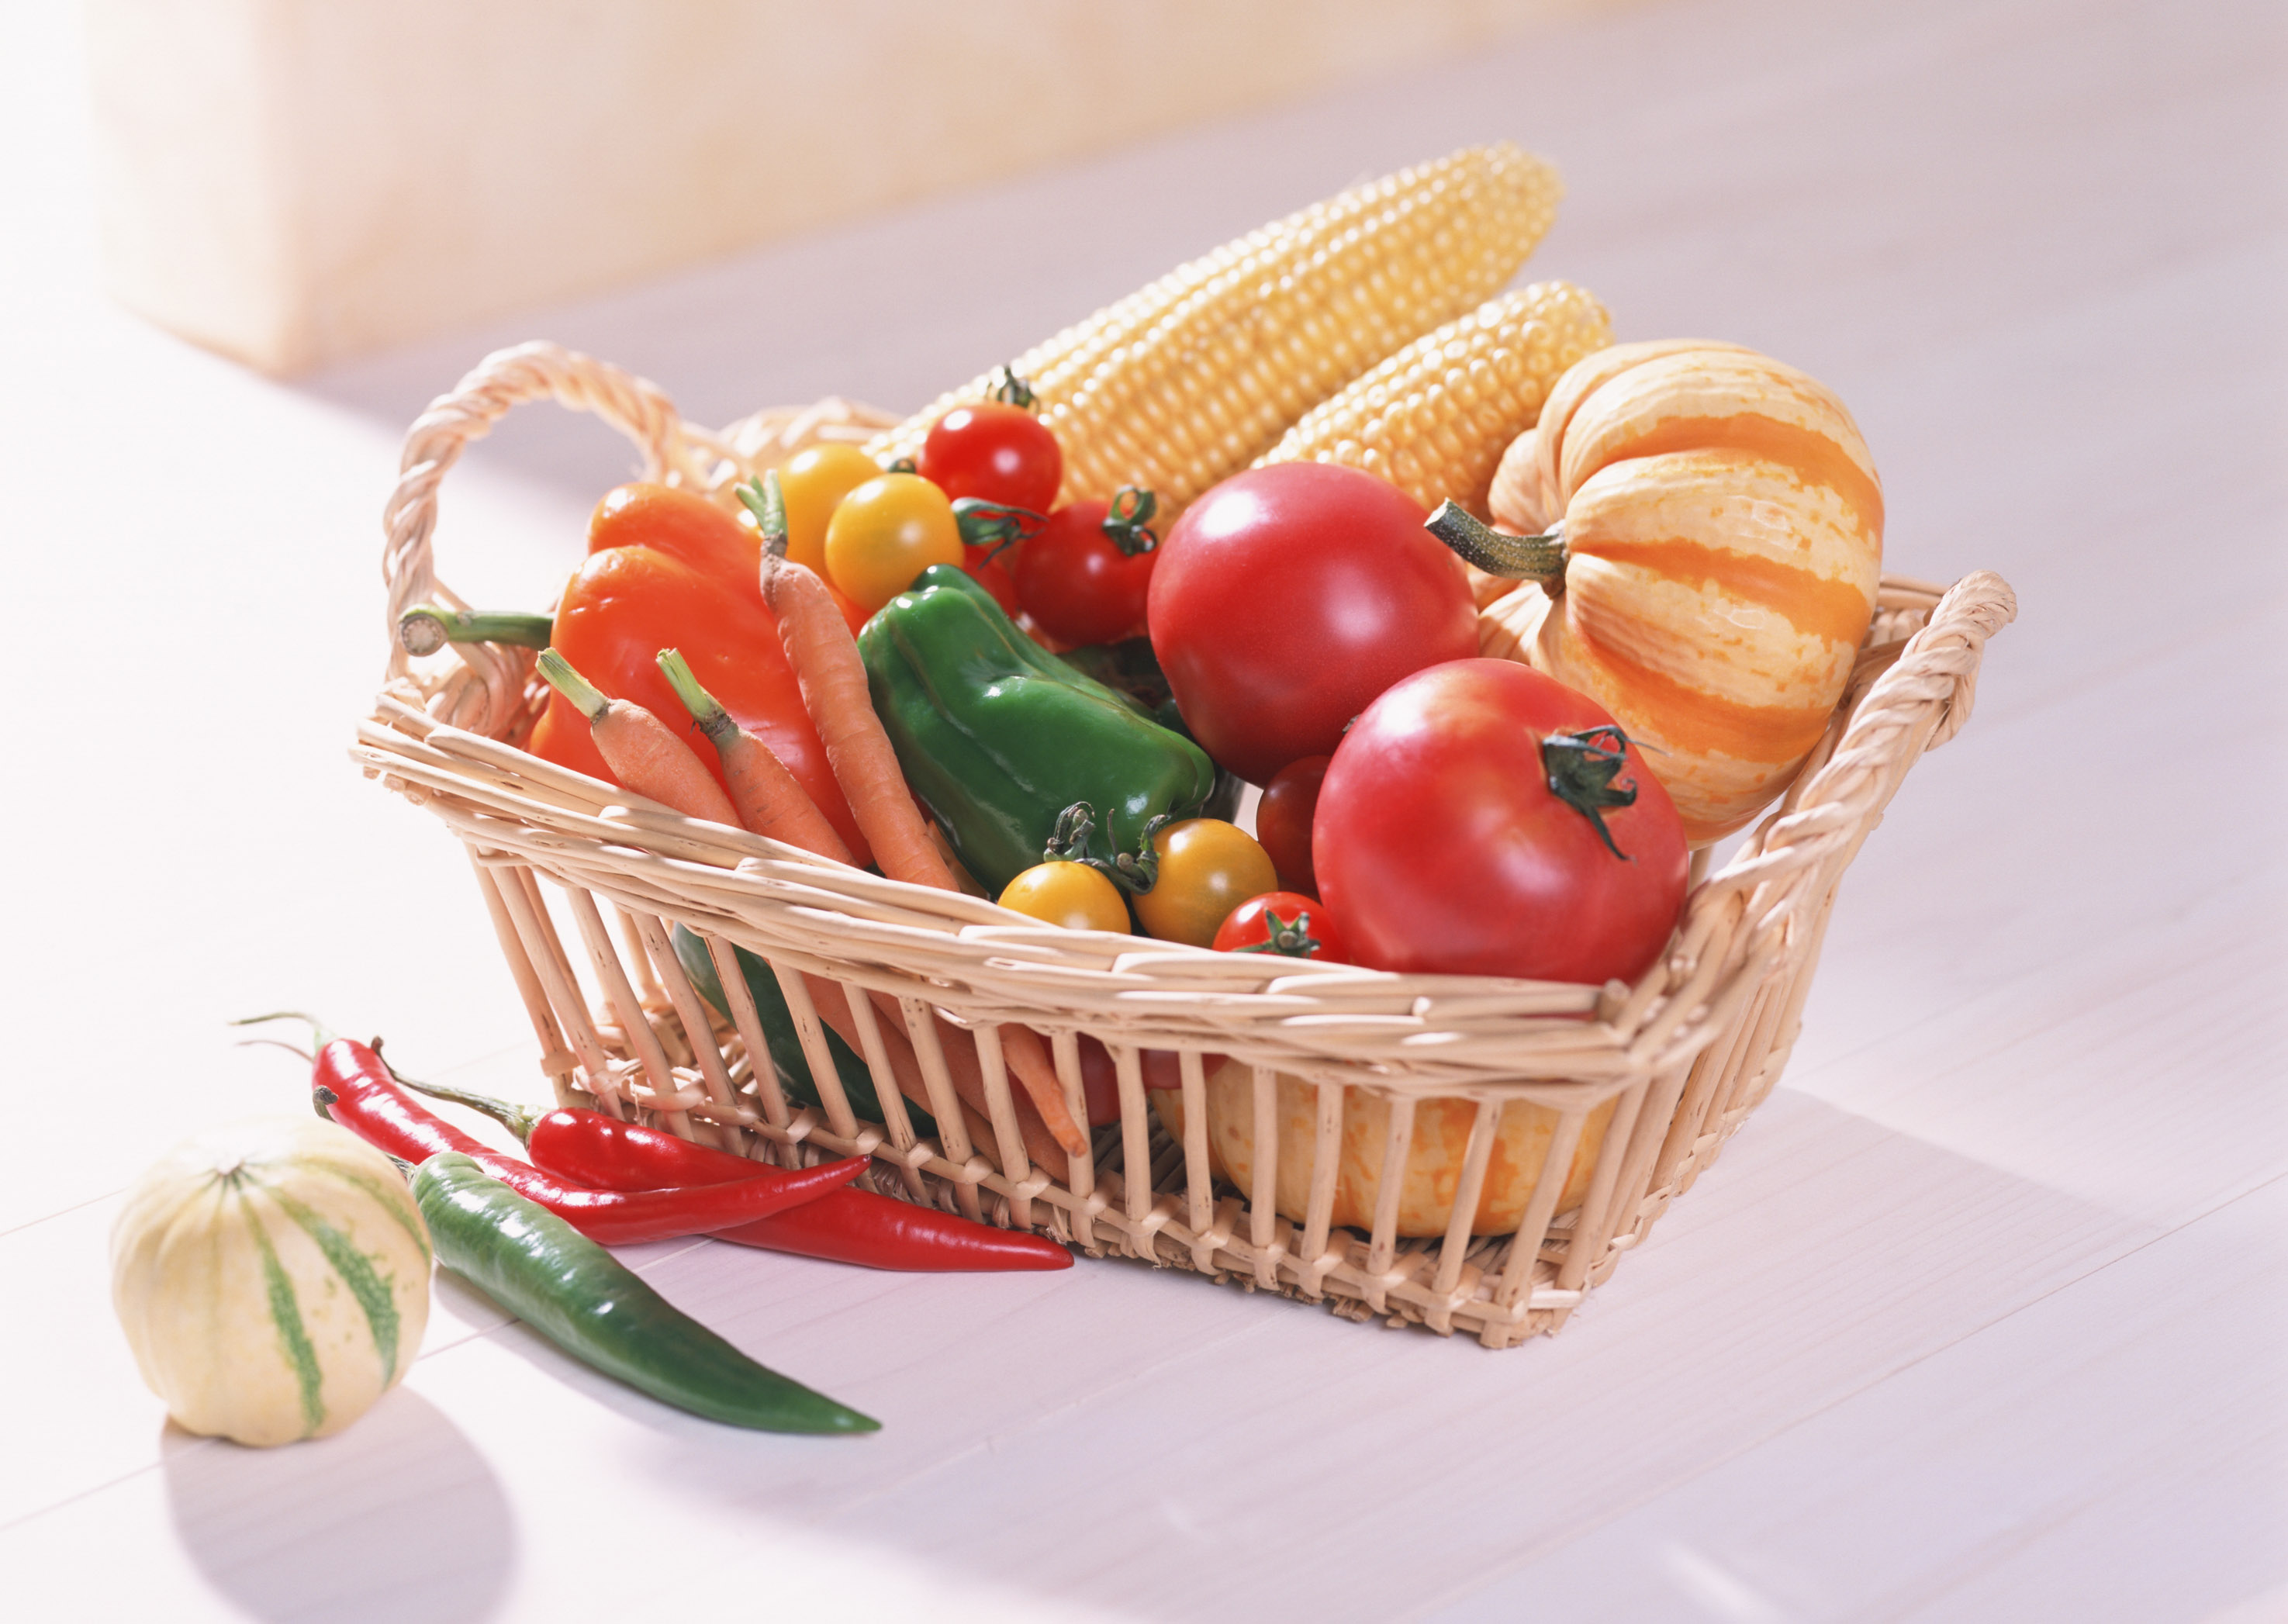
(668, 569)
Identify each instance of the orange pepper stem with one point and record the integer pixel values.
(1516, 557)
(571, 685)
(425, 628)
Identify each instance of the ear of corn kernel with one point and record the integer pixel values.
(1191, 378)
(1434, 419)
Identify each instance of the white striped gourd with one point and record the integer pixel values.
(1722, 530)
(1188, 380)
(273, 1277)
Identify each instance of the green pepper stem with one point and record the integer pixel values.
(707, 712)
(425, 628)
(572, 685)
(763, 498)
(1516, 557)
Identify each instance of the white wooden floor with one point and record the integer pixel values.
(1985, 1317)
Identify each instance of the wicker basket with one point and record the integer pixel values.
(1683, 1055)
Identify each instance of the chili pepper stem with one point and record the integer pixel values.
(425, 628)
(517, 1119)
(321, 1034)
(572, 685)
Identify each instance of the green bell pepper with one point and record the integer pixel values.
(998, 736)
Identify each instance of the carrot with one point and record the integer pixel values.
(642, 751)
(771, 801)
(825, 659)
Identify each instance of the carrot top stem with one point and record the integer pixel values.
(572, 685)
(763, 498)
(707, 712)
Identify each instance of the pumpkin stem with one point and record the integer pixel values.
(1514, 558)
(1582, 767)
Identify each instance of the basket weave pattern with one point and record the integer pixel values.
(1684, 1054)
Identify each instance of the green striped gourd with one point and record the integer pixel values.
(273, 1277)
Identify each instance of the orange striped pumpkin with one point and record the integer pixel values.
(1722, 525)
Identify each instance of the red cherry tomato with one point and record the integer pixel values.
(1078, 582)
(1443, 845)
(1282, 821)
(996, 452)
(1288, 597)
(1286, 923)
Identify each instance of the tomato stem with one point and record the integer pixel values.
(1125, 519)
(996, 524)
(425, 628)
(1582, 767)
(1134, 872)
(1290, 938)
(1516, 557)
(1006, 385)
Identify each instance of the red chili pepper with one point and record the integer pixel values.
(846, 1226)
(352, 1086)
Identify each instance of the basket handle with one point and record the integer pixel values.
(1916, 705)
(637, 407)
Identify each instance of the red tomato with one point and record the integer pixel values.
(1077, 583)
(1443, 847)
(991, 572)
(1282, 821)
(1281, 921)
(1288, 597)
(994, 451)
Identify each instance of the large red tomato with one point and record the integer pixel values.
(1445, 844)
(1287, 597)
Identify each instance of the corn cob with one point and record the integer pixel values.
(1435, 418)
(1190, 379)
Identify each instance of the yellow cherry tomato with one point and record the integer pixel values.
(1073, 895)
(813, 482)
(886, 532)
(1207, 868)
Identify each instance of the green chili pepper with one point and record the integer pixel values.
(997, 736)
(793, 1066)
(583, 1299)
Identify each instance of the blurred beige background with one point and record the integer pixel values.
(293, 182)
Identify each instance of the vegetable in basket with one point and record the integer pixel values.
(272, 1279)
(350, 1084)
(1482, 819)
(786, 1055)
(585, 1301)
(629, 601)
(645, 754)
(850, 1226)
(1290, 596)
(1712, 535)
(998, 736)
(1084, 578)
